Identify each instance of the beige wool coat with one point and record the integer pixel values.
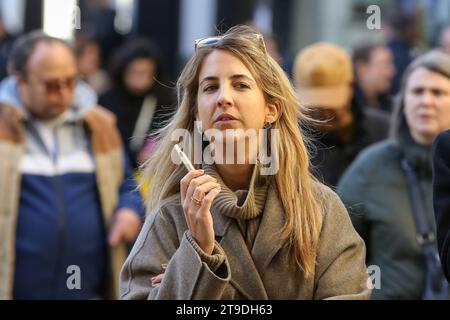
(260, 273)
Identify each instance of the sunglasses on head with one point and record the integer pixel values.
(208, 41)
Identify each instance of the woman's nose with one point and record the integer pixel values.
(427, 98)
(224, 98)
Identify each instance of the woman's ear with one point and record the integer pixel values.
(273, 111)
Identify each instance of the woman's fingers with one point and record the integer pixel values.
(202, 222)
(157, 279)
(194, 184)
(200, 192)
(207, 201)
(197, 182)
(184, 183)
(194, 201)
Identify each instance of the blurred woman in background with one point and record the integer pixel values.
(139, 97)
(388, 188)
(88, 56)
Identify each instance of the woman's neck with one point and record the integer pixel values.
(236, 176)
(421, 139)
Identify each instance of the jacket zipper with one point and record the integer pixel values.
(60, 252)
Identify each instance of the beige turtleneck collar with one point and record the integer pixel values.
(242, 204)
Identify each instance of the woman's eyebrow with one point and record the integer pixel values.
(233, 77)
(210, 78)
(240, 76)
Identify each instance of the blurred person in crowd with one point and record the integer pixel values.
(374, 70)
(401, 34)
(89, 61)
(270, 41)
(6, 41)
(441, 197)
(272, 46)
(324, 77)
(140, 97)
(233, 231)
(444, 39)
(388, 189)
(68, 199)
(99, 18)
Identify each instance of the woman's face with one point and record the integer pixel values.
(139, 75)
(89, 59)
(228, 96)
(427, 104)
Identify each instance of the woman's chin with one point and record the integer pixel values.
(226, 125)
(225, 139)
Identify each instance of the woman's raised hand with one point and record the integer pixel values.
(197, 194)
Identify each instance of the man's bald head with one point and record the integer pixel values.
(46, 72)
(24, 47)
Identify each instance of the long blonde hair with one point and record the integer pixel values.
(294, 181)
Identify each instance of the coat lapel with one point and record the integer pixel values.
(267, 242)
(244, 274)
(248, 269)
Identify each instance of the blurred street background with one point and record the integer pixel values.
(174, 24)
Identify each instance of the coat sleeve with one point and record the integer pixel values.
(187, 276)
(129, 196)
(352, 189)
(441, 197)
(341, 271)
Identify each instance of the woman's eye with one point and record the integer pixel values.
(417, 91)
(242, 85)
(439, 93)
(209, 88)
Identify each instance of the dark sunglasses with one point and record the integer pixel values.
(52, 86)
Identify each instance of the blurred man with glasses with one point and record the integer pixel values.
(67, 199)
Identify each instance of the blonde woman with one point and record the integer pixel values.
(228, 231)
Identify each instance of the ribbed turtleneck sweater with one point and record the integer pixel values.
(245, 206)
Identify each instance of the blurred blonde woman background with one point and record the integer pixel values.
(228, 231)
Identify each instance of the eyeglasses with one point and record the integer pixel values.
(58, 85)
(52, 86)
(208, 41)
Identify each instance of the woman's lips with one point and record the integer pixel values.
(226, 121)
(224, 124)
(426, 116)
(225, 117)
